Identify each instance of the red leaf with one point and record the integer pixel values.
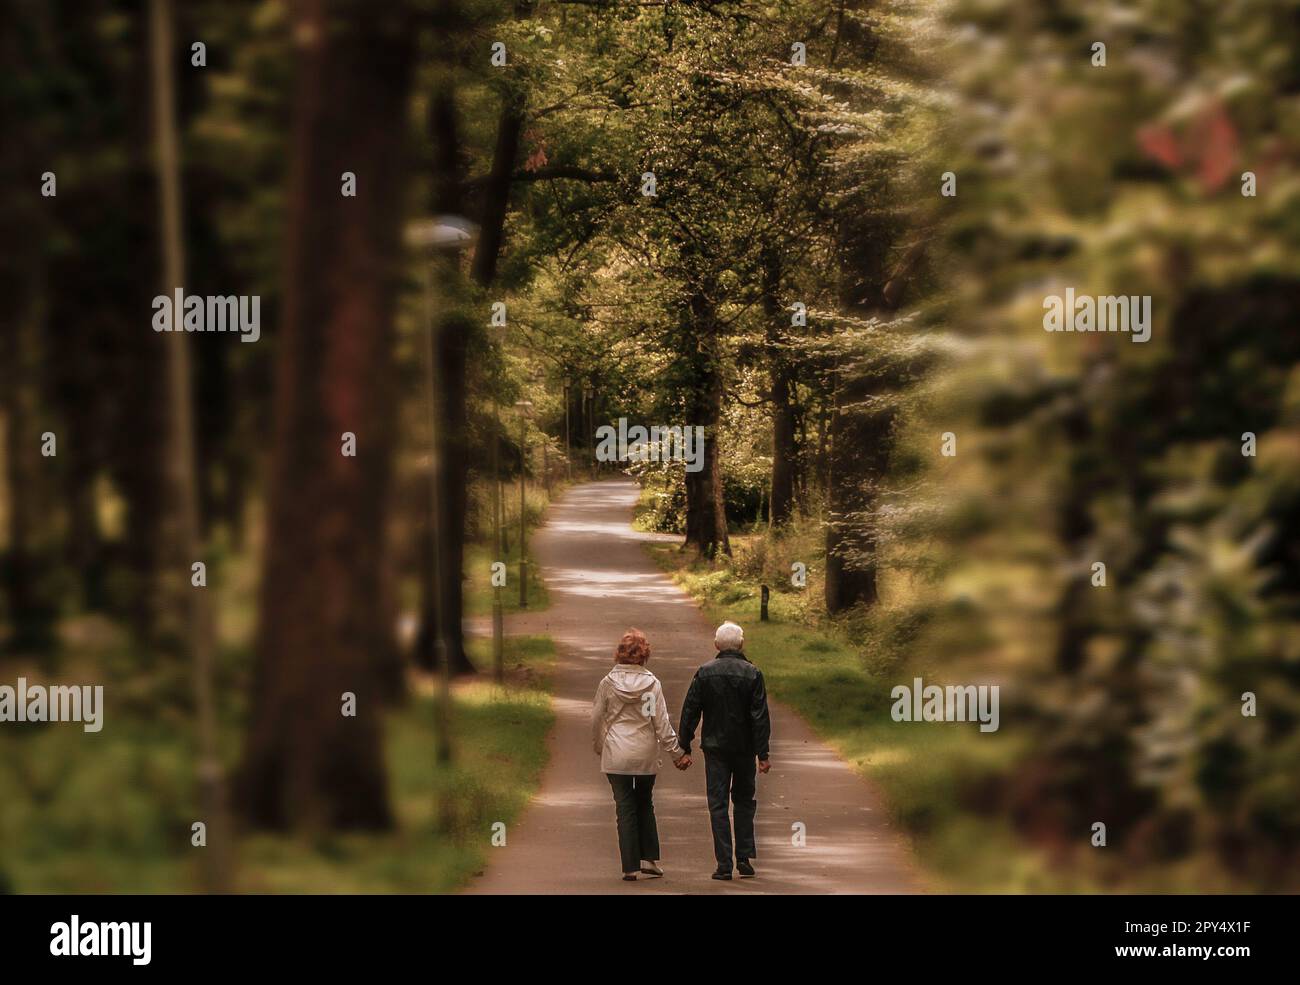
(1158, 142)
(1216, 145)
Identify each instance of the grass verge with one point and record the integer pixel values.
(478, 582)
(111, 812)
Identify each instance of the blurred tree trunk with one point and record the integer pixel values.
(184, 524)
(446, 200)
(451, 334)
(138, 468)
(31, 612)
(324, 621)
(77, 392)
(85, 549)
(137, 427)
(451, 338)
(443, 546)
(30, 608)
(451, 392)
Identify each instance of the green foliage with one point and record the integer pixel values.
(1076, 449)
(479, 557)
(662, 505)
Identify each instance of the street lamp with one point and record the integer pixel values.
(445, 237)
(525, 409)
(445, 234)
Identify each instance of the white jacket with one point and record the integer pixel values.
(629, 722)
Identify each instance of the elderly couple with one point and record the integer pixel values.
(629, 724)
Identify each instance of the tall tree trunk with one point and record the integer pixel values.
(862, 419)
(443, 548)
(860, 445)
(784, 448)
(84, 550)
(78, 384)
(30, 607)
(861, 442)
(451, 392)
(139, 469)
(706, 511)
(451, 334)
(31, 612)
(781, 391)
(136, 442)
(324, 629)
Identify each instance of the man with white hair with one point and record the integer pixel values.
(729, 692)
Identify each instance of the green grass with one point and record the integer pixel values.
(478, 582)
(112, 812)
(479, 556)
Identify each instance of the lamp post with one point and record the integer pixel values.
(445, 237)
(498, 511)
(568, 459)
(539, 382)
(546, 466)
(525, 408)
(588, 404)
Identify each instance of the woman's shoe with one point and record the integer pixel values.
(629, 877)
(652, 869)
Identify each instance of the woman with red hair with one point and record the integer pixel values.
(629, 724)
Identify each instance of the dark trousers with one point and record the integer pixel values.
(734, 776)
(638, 837)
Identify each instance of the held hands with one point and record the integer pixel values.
(683, 764)
(764, 765)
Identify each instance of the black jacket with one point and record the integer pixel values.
(730, 693)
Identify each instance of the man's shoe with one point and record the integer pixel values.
(723, 872)
(744, 868)
(629, 877)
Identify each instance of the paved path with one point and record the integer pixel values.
(601, 581)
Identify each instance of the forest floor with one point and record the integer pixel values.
(601, 580)
(111, 812)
